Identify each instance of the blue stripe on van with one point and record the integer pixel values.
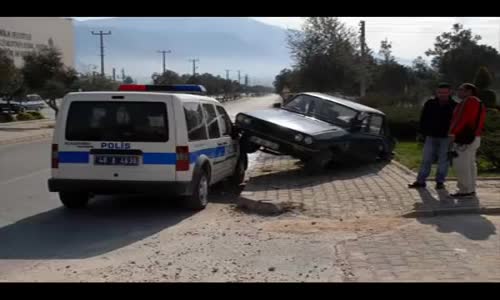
(76, 157)
(211, 153)
(159, 158)
(70, 157)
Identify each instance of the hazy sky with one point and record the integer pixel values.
(410, 36)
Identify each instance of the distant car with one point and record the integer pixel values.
(32, 102)
(12, 107)
(318, 129)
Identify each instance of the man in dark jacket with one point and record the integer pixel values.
(435, 122)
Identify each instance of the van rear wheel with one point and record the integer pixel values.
(74, 200)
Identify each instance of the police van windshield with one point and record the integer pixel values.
(117, 121)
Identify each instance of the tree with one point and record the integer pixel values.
(483, 81)
(168, 77)
(386, 52)
(11, 79)
(483, 78)
(128, 80)
(458, 37)
(326, 52)
(45, 74)
(461, 64)
(287, 78)
(89, 82)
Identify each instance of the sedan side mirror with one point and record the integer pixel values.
(277, 105)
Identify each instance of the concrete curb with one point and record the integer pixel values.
(453, 211)
(26, 122)
(26, 139)
(414, 174)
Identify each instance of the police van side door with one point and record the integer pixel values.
(217, 142)
(231, 145)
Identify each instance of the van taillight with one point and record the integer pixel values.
(182, 163)
(55, 156)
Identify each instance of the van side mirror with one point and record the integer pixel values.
(277, 105)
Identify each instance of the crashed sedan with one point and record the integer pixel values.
(318, 129)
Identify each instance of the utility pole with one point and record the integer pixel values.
(163, 52)
(194, 61)
(101, 34)
(246, 80)
(114, 74)
(362, 84)
(227, 74)
(239, 77)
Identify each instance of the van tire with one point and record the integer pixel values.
(74, 200)
(198, 200)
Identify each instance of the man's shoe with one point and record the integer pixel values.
(416, 185)
(440, 186)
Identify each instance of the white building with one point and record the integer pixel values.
(20, 35)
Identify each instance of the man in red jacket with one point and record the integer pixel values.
(469, 115)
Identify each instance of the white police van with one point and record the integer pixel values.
(143, 139)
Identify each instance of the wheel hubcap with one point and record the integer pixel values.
(203, 192)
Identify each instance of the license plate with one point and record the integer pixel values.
(264, 143)
(116, 160)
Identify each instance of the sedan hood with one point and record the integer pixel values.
(294, 121)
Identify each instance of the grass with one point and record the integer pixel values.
(409, 154)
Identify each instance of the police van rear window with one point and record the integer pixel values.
(117, 121)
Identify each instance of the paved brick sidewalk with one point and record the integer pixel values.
(11, 133)
(373, 190)
(452, 248)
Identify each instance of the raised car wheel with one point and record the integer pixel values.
(199, 198)
(74, 200)
(318, 162)
(238, 176)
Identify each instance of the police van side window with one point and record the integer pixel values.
(195, 122)
(212, 122)
(226, 124)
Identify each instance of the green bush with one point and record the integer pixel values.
(4, 118)
(402, 121)
(24, 117)
(488, 97)
(36, 115)
(490, 141)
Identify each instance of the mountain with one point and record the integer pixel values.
(234, 43)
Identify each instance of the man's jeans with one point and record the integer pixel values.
(434, 147)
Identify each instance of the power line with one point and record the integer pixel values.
(101, 34)
(163, 52)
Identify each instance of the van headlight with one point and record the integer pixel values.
(308, 140)
(299, 137)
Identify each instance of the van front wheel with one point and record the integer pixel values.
(74, 200)
(199, 198)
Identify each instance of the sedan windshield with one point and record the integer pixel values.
(324, 110)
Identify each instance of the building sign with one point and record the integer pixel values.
(18, 44)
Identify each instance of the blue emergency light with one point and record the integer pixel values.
(175, 88)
